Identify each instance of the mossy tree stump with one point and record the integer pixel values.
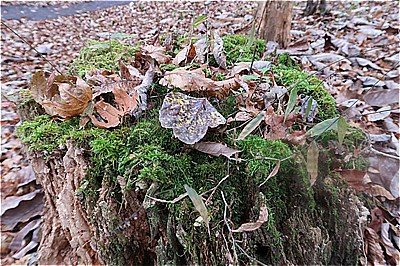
(99, 185)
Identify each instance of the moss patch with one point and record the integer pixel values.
(292, 76)
(238, 48)
(101, 55)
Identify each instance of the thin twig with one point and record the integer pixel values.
(385, 154)
(33, 48)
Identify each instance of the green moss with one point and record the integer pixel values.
(238, 49)
(308, 84)
(101, 55)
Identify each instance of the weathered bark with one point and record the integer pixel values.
(123, 226)
(276, 19)
(140, 231)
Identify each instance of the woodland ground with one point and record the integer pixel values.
(363, 35)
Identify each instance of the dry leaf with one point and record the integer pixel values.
(312, 162)
(248, 227)
(357, 179)
(194, 81)
(382, 97)
(273, 172)
(157, 53)
(373, 249)
(218, 50)
(240, 117)
(215, 149)
(105, 115)
(189, 117)
(60, 97)
(71, 101)
(185, 56)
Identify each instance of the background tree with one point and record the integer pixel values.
(313, 5)
(276, 20)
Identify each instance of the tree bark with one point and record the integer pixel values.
(276, 19)
(313, 5)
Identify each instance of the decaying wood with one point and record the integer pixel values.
(68, 237)
(276, 19)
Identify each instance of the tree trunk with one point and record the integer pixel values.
(313, 5)
(276, 19)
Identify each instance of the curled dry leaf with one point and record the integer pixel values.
(189, 117)
(61, 97)
(185, 56)
(157, 53)
(217, 47)
(105, 115)
(373, 249)
(196, 81)
(215, 149)
(247, 227)
(361, 181)
(277, 128)
(240, 117)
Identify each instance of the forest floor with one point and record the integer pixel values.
(354, 49)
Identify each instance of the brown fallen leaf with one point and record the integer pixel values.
(273, 172)
(61, 97)
(18, 242)
(391, 251)
(185, 56)
(382, 97)
(357, 179)
(373, 249)
(23, 212)
(215, 149)
(157, 53)
(248, 227)
(194, 81)
(71, 101)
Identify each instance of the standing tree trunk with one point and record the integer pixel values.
(312, 6)
(276, 19)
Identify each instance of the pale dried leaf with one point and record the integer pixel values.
(157, 53)
(273, 172)
(215, 149)
(198, 204)
(251, 126)
(248, 227)
(312, 162)
(380, 114)
(194, 81)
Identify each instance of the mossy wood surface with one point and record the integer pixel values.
(98, 184)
